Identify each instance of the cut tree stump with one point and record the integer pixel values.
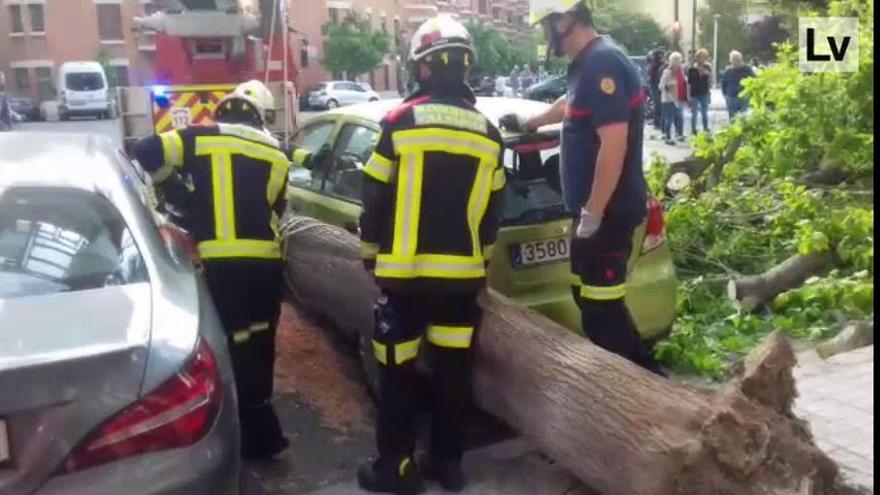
(618, 428)
(757, 290)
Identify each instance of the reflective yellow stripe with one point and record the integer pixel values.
(487, 251)
(406, 351)
(452, 337)
(597, 293)
(479, 201)
(379, 168)
(369, 250)
(241, 336)
(206, 144)
(224, 199)
(240, 248)
(161, 175)
(499, 180)
(430, 265)
(247, 132)
(458, 142)
(277, 181)
(172, 148)
(381, 352)
(401, 470)
(259, 326)
(408, 206)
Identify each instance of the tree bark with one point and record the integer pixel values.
(618, 428)
(756, 290)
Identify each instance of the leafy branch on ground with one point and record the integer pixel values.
(801, 181)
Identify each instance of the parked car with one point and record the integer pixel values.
(483, 86)
(334, 94)
(548, 90)
(114, 369)
(83, 91)
(25, 107)
(530, 263)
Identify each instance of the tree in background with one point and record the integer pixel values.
(353, 46)
(766, 35)
(733, 33)
(103, 58)
(496, 54)
(636, 32)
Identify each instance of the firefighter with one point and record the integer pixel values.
(238, 174)
(432, 197)
(601, 169)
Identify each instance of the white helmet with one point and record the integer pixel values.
(440, 33)
(252, 96)
(542, 9)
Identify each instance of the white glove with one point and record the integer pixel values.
(588, 225)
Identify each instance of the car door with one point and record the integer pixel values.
(305, 184)
(359, 93)
(343, 92)
(342, 184)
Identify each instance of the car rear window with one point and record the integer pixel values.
(62, 240)
(533, 192)
(84, 81)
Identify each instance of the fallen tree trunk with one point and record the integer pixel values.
(753, 291)
(616, 427)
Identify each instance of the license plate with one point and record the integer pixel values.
(180, 118)
(5, 454)
(542, 251)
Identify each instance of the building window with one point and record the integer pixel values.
(304, 54)
(22, 81)
(496, 13)
(484, 6)
(17, 25)
(110, 22)
(334, 15)
(38, 24)
(44, 83)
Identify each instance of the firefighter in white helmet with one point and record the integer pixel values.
(601, 169)
(237, 172)
(432, 198)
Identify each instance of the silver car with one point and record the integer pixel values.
(115, 377)
(334, 94)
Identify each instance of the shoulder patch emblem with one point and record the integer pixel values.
(607, 85)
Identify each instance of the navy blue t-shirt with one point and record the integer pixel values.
(603, 88)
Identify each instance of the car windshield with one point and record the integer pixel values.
(62, 240)
(84, 81)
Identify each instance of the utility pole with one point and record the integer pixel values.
(715, 48)
(694, 29)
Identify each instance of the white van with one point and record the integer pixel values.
(83, 90)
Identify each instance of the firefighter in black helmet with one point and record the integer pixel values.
(432, 197)
(238, 175)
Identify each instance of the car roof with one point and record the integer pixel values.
(492, 107)
(78, 161)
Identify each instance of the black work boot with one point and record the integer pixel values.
(448, 475)
(399, 478)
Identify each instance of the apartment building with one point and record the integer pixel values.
(37, 36)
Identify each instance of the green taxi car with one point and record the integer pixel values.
(530, 262)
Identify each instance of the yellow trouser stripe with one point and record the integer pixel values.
(172, 148)
(430, 265)
(369, 250)
(244, 335)
(381, 352)
(597, 293)
(406, 351)
(452, 337)
(239, 248)
(379, 168)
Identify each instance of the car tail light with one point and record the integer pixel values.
(178, 413)
(176, 237)
(655, 226)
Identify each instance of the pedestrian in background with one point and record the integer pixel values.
(656, 65)
(5, 109)
(700, 83)
(513, 80)
(731, 84)
(527, 78)
(673, 97)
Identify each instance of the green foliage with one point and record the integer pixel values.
(353, 46)
(733, 33)
(636, 32)
(496, 54)
(103, 58)
(764, 208)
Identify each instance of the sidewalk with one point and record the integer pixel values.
(837, 398)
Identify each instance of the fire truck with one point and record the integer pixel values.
(204, 48)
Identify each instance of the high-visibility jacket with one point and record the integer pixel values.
(238, 176)
(432, 195)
